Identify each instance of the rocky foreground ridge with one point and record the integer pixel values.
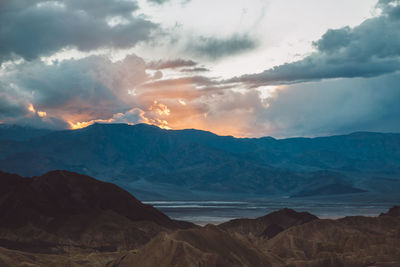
(67, 219)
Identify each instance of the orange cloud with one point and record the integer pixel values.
(32, 109)
(42, 114)
(122, 92)
(79, 125)
(161, 109)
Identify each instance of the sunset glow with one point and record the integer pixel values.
(42, 114)
(80, 125)
(161, 109)
(263, 69)
(31, 108)
(199, 132)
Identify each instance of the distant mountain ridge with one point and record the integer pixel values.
(20, 133)
(154, 163)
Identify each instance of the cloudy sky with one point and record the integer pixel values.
(245, 68)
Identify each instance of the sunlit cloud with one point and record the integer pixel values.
(131, 68)
(161, 109)
(31, 108)
(42, 114)
(267, 91)
(131, 117)
(80, 125)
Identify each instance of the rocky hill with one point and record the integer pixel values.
(62, 209)
(269, 225)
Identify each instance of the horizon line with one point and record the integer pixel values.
(194, 129)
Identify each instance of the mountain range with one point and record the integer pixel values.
(154, 163)
(67, 219)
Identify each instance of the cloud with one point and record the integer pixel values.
(368, 50)
(170, 64)
(216, 48)
(79, 92)
(73, 90)
(334, 107)
(10, 107)
(201, 69)
(104, 8)
(132, 116)
(34, 28)
(16, 108)
(390, 8)
(76, 93)
(197, 81)
(161, 2)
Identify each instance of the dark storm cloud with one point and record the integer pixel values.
(170, 64)
(68, 83)
(30, 29)
(11, 105)
(368, 50)
(390, 7)
(216, 48)
(335, 107)
(104, 8)
(14, 103)
(9, 109)
(85, 89)
(36, 121)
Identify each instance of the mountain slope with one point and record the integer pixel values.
(351, 241)
(150, 161)
(269, 225)
(305, 242)
(66, 219)
(20, 133)
(63, 209)
(208, 247)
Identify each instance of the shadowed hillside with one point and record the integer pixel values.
(62, 209)
(302, 241)
(67, 219)
(269, 225)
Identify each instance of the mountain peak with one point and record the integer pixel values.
(120, 126)
(394, 212)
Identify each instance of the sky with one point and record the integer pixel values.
(247, 68)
